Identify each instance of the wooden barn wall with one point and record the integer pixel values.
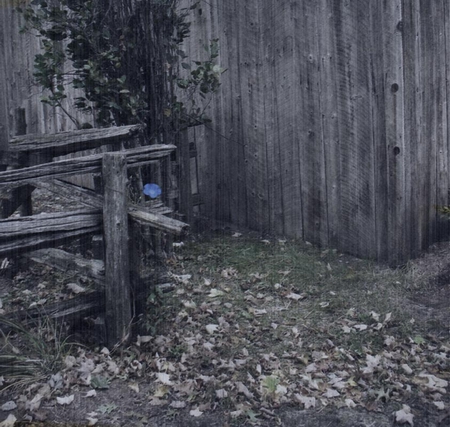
(331, 124)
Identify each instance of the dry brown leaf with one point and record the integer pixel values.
(195, 412)
(66, 400)
(9, 422)
(404, 416)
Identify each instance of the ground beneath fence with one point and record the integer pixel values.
(256, 333)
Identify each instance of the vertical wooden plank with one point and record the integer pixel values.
(309, 128)
(115, 229)
(251, 92)
(417, 152)
(378, 133)
(436, 104)
(232, 124)
(326, 41)
(280, 88)
(356, 232)
(395, 144)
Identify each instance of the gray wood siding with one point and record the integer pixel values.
(331, 124)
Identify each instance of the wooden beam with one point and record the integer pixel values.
(158, 221)
(48, 223)
(60, 144)
(80, 165)
(25, 233)
(93, 269)
(115, 234)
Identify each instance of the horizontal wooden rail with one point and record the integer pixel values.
(79, 165)
(60, 144)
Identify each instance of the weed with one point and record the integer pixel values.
(44, 344)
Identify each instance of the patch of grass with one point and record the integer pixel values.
(45, 348)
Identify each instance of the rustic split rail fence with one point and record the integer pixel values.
(30, 163)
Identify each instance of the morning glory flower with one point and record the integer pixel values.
(152, 190)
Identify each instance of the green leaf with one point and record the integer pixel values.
(107, 408)
(100, 382)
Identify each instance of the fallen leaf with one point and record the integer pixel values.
(350, 403)
(221, 394)
(9, 406)
(295, 296)
(34, 404)
(244, 390)
(308, 402)
(66, 400)
(331, 393)
(407, 369)
(360, 327)
(163, 378)
(189, 304)
(183, 278)
(215, 293)
(75, 288)
(134, 387)
(91, 393)
(9, 422)
(195, 412)
(178, 404)
(92, 421)
(143, 339)
(107, 408)
(211, 328)
(375, 316)
(156, 401)
(404, 416)
(440, 405)
(434, 383)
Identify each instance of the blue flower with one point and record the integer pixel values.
(152, 190)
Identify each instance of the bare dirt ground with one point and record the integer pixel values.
(257, 333)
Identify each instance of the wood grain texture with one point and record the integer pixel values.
(62, 143)
(115, 237)
(337, 121)
(80, 165)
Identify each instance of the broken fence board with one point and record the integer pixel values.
(136, 213)
(63, 143)
(36, 241)
(158, 221)
(57, 258)
(48, 223)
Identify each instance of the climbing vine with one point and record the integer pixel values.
(125, 57)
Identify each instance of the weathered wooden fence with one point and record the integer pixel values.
(30, 163)
(332, 121)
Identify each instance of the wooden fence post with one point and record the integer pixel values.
(184, 178)
(115, 229)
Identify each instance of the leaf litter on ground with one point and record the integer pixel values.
(255, 333)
